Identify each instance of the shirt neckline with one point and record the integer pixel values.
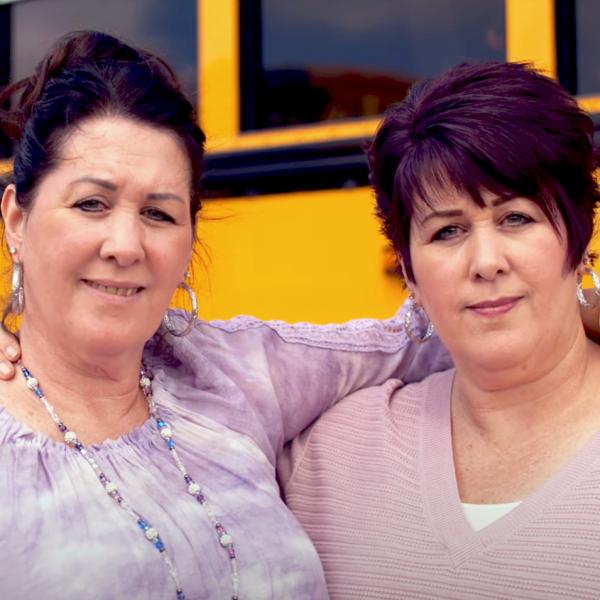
(442, 501)
(15, 431)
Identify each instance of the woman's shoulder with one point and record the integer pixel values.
(377, 407)
(395, 393)
(372, 422)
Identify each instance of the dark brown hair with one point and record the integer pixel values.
(89, 74)
(501, 127)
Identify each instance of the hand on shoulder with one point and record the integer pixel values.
(10, 352)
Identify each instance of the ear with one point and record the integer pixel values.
(411, 286)
(584, 265)
(188, 274)
(14, 218)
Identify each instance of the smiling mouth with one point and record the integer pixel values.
(115, 291)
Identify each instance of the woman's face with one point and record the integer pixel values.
(108, 237)
(494, 280)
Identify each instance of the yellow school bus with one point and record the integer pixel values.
(289, 92)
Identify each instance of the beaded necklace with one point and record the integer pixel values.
(193, 488)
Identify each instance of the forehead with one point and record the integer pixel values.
(124, 149)
(448, 197)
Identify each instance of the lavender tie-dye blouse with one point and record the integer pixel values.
(234, 393)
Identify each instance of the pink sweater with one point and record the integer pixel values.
(373, 484)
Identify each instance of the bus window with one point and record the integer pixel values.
(28, 29)
(164, 27)
(587, 47)
(5, 144)
(320, 61)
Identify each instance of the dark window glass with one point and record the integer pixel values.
(5, 143)
(167, 28)
(323, 60)
(587, 16)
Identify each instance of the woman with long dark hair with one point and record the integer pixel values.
(138, 445)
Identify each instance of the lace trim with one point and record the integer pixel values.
(364, 335)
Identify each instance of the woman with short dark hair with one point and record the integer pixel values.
(482, 481)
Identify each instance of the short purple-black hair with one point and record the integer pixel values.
(501, 127)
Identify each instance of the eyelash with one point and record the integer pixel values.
(84, 205)
(445, 233)
(523, 219)
(451, 231)
(94, 205)
(159, 215)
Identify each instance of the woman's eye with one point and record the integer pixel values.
(447, 233)
(90, 205)
(516, 219)
(156, 214)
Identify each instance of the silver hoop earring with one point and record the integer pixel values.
(579, 289)
(191, 318)
(18, 293)
(409, 328)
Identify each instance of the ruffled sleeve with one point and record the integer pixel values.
(272, 379)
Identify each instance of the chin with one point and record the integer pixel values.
(504, 352)
(109, 341)
(501, 360)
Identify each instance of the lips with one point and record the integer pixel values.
(496, 306)
(495, 303)
(115, 289)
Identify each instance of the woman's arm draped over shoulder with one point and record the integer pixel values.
(287, 375)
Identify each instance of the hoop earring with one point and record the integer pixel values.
(18, 292)
(579, 289)
(191, 318)
(409, 328)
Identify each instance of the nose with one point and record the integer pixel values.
(124, 239)
(488, 258)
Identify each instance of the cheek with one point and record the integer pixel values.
(544, 262)
(55, 250)
(434, 277)
(173, 260)
(440, 303)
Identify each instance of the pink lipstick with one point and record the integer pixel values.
(494, 308)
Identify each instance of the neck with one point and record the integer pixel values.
(525, 398)
(96, 395)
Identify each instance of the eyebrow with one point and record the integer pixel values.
(109, 185)
(457, 212)
(164, 196)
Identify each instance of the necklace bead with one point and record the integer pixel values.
(150, 533)
(110, 487)
(70, 437)
(193, 489)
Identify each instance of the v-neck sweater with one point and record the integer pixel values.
(373, 484)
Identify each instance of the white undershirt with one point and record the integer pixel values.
(482, 515)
